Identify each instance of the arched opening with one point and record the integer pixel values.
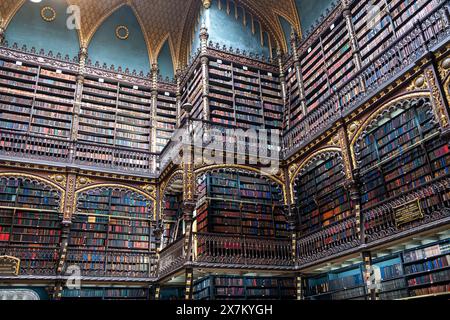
(112, 233)
(30, 223)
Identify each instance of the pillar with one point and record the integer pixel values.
(347, 14)
(369, 276)
(82, 56)
(189, 284)
(178, 96)
(204, 36)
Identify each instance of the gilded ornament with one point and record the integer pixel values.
(59, 179)
(122, 32)
(48, 14)
(83, 181)
(446, 63)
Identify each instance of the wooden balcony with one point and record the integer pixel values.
(57, 152)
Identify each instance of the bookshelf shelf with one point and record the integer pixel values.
(243, 288)
(112, 233)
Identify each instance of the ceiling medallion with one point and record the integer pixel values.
(122, 32)
(48, 14)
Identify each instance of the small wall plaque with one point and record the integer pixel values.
(408, 212)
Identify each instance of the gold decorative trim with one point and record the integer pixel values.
(50, 10)
(294, 169)
(118, 32)
(83, 181)
(59, 179)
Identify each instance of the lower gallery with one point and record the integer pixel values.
(224, 150)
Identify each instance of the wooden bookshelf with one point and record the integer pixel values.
(321, 197)
(32, 97)
(112, 233)
(244, 288)
(239, 203)
(166, 121)
(342, 284)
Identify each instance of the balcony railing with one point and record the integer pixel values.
(395, 60)
(330, 240)
(50, 149)
(380, 220)
(171, 258)
(244, 251)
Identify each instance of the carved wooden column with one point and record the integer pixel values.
(298, 71)
(157, 291)
(68, 211)
(299, 287)
(204, 36)
(178, 96)
(153, 120)
(347, 14)
(77, 102)
(369, 276)
(351, 183)
(283, 87)
(439, 103)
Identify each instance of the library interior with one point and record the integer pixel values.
(335, 115)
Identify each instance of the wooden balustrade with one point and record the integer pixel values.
(171, 258)
(242, 250)
(330, 240)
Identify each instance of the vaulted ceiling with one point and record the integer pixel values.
(166, 19)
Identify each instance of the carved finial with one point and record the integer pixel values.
(206, 4)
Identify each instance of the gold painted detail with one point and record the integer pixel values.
(9, 265)
(122, 32)
(82, 182)
(48, 14)
(59, 179)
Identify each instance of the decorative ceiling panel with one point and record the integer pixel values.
(8, 9)
(166, 19)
